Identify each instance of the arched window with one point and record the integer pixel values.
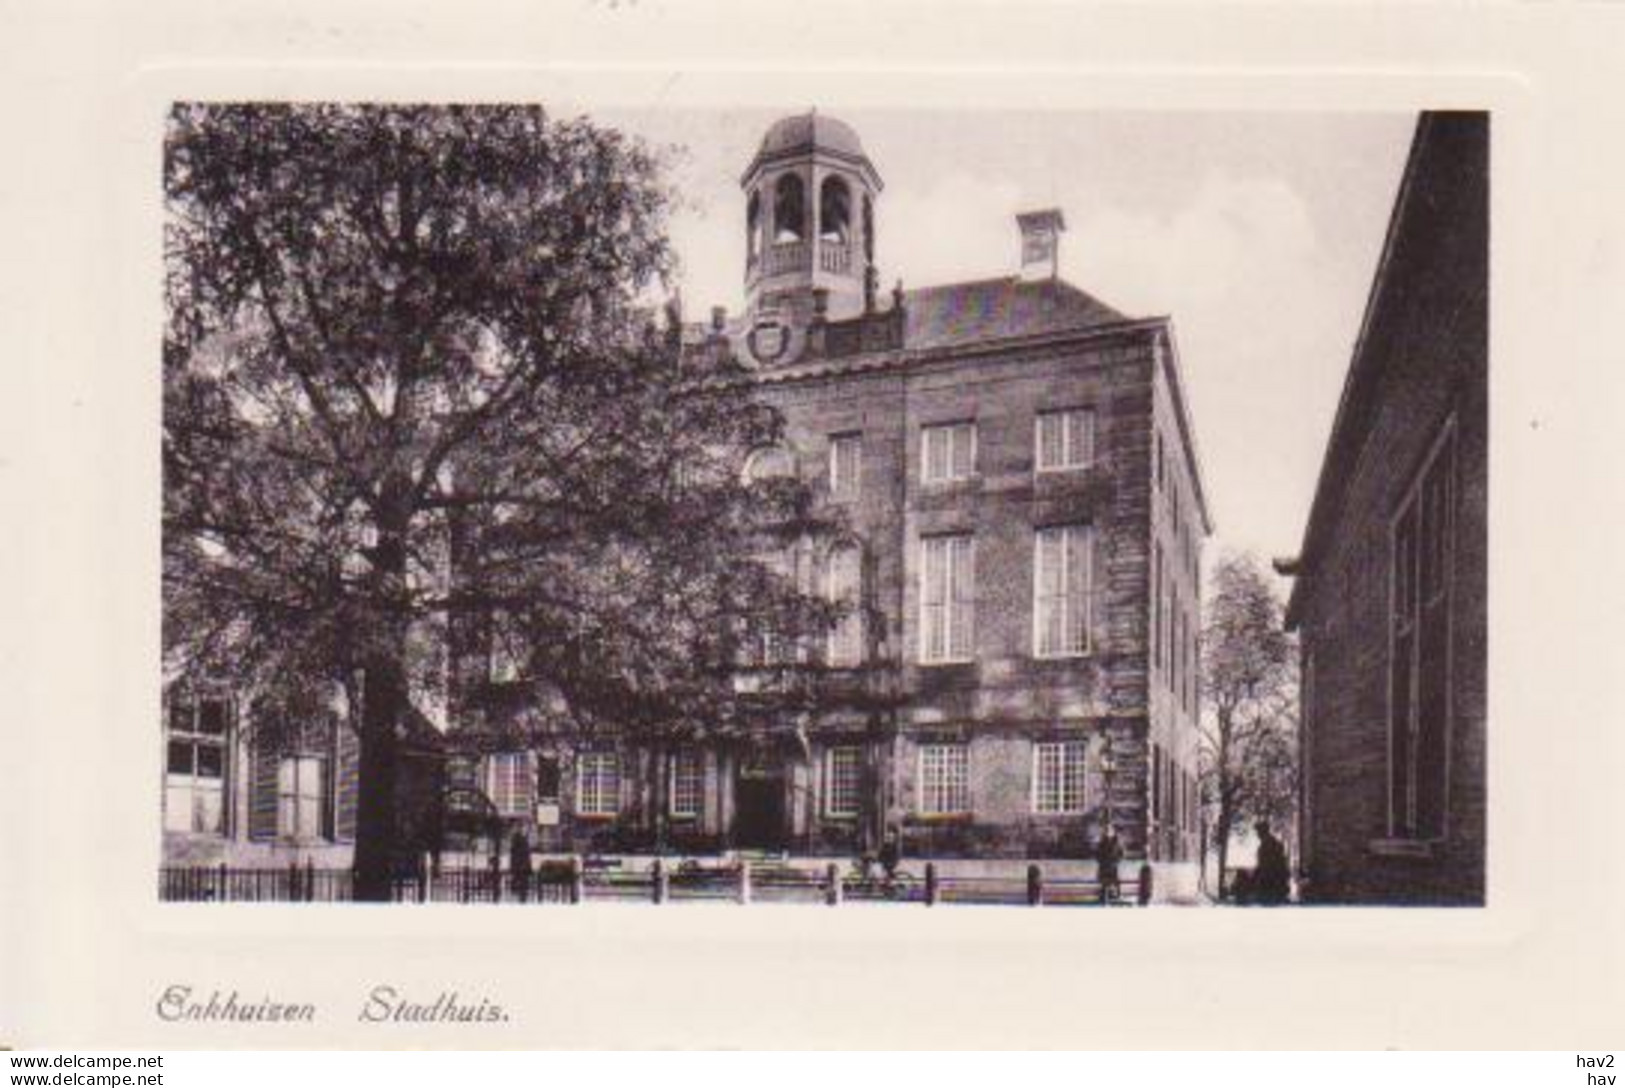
(769, 463)
(753, 226)
(868, 230)
(789, 209)
(834, 211)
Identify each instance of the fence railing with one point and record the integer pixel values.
(595, 880)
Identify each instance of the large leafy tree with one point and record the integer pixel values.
(1248, 735)
(414, 401)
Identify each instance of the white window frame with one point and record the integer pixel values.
(303, 801)
(951, 607)
(854, 440)
(835, 806)
(944, 780)
(200, 799)
(1407, 808)
(1070, 793)
(602, 772)
(1068, 419)
(948, 429)
(1085, 547)
(686, 797)
(512, 797)
(844, 644)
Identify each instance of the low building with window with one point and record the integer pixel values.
(1391, 580)
(254, 788)
(1018, 660)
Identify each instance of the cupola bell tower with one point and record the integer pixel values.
(810, 195)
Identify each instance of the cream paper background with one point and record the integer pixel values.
(84, 947)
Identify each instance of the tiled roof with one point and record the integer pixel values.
(956, 314)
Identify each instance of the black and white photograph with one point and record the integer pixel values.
(888, 508)
(538, 529)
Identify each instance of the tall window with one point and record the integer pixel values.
(834, 211)
(843, 776)
(843, 587)
(195, 765)
(301, 797)
(1419, 681)
(1156, 604)
(947, 452)
(845, 465)
(947, 598)
(1061, 577)
(868, 230)
(753, 227)
(1058, 777)
(548, 779)
(507, 782)
(687, 782)
(789, 209)
(1065, 440)
(944, 779)
(598, 784)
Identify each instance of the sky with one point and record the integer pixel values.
(1258, 233)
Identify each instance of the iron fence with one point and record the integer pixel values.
(600, 880)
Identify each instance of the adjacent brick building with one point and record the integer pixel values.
(1016, 462)
(1391, 589)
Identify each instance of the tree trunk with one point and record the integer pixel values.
(385, 705)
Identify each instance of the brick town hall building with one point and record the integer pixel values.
(1017, 467)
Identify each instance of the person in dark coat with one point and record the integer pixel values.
(1272, 877)
(1107, 854)
(519, 869)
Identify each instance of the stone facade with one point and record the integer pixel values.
(1115, 716)
(1393, 753)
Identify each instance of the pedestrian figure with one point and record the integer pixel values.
(1272, 879)
(519, 865)
(1107, 855)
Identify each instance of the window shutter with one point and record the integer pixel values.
(964, 598)
(347, 782)
(932, 554)
(262, 792)
(1078, 541)
(1081, 438)
(964, 450)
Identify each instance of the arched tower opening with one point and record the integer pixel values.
(811, 193)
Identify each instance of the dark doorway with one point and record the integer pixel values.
(759, 812)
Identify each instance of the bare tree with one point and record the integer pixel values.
(1249, 728)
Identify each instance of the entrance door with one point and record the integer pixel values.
(759, 812)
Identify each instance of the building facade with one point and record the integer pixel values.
(1015, 463)
(1391, 582)
(1018, 661)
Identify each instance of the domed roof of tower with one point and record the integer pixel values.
(806, 133)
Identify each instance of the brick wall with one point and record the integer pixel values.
(1426, 344)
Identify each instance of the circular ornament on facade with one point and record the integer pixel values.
(771, 341)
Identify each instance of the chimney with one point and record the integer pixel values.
(1041, 243)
